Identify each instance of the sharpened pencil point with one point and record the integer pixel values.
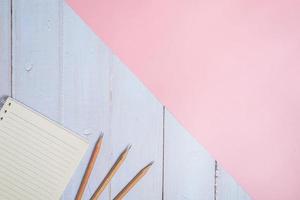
(148, 166)
(101, 134)
(128, 147)
(111, 173)
(99, 140)
(133, 182)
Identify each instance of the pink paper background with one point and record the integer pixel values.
(228, 70)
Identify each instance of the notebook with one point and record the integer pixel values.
(37, 155)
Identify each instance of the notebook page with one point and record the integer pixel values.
(37, 156)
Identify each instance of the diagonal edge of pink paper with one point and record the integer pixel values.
(229, 71)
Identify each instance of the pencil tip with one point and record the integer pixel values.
(128, 147)
(147, 167)
(99, 140)
(100, 137)
(150, 164)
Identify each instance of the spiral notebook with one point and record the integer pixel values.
(37, 155)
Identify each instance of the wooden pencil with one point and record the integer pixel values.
(110, 174)
(89, 168)
(133, 182)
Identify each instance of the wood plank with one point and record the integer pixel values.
(37, 55)
(36, 59)
(5, 47)
(136, 120)
(228, 188)
(85, 94)
(189, 171)
(64, 71)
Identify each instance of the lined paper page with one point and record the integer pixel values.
(37, 156)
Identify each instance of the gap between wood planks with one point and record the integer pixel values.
(163, 157)
(62, 101)
(11, 47)
(215, 180)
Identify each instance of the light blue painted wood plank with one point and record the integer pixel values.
(5, 47)
(85, 96)
(36, 55)
(228, 188)
(189, 171)
(109, 97)
(137, 119)
(64, 71)
(37, 61)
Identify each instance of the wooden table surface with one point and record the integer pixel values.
(51, 61)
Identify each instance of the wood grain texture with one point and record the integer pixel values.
(189, 170)
(136, 120)
(36, 60)
(63, 70)
(86, 96)
(228, 188)
(5, 47)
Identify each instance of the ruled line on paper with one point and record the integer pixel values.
(32, 186)
(5, 193)
(34, 145)
(27, 178)
(33, 157)
(38, 156)
(39, 138)
(32, 164)
(43, 156)
(25, 171)
(18, 188)
(50, 134)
